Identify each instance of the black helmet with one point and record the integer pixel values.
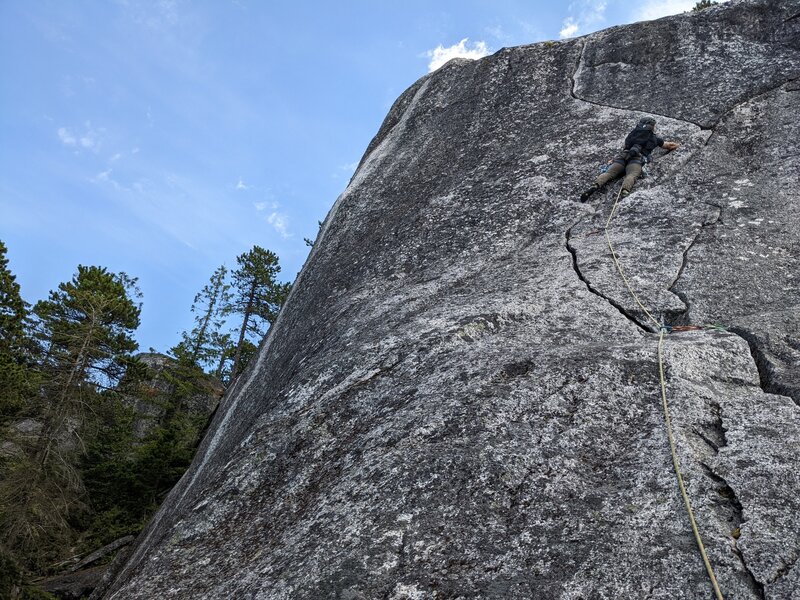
(648, 122)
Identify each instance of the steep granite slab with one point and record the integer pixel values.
(460, 399)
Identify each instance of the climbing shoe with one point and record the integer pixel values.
(585, 195)
(624, 194)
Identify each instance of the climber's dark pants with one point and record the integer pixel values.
(632, 169)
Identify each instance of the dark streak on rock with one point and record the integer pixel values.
(589, 287)
(576, 97)
(784, 569)
(766, 371)
(732, 505)
(681, 318)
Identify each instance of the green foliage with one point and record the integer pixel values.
(34, 593)
(17, 378)
(246, 352)
(202, 345)
(703, 4)
(257, 293)
(13, 310)
(12, 581)
(86, 327)
(10, 575)
(127, 477)
(93, 438)
(258, 297)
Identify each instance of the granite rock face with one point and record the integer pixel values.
(460, 399)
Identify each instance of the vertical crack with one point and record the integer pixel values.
(682, 317)
(589, 287)
(727, 498)
(578, 66)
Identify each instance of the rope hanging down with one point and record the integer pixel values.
(662, 329)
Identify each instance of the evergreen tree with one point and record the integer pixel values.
(16, 375)
(86, 327)
(201, 345)
(128, 473)
(257, 298)
(703, 4)
(13, 310)
(224, 350)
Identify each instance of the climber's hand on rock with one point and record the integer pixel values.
(671, 145)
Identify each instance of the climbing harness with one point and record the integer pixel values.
(662, 329)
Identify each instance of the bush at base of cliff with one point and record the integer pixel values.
(12, 583)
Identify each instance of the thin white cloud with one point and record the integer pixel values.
(280, 223)
(158, 15)
(89, 138)
(104, 178)
(259, 206)
(88, 141)
(345, 170)
(584, 17)
(241, 185)
(440, 55)
(647, 10)
(569, 30)
(67, 137)
(115, 158)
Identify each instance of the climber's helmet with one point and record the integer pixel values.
(647, 122)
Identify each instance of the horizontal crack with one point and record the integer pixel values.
(766, 371)
(711, 127)
(572, 93)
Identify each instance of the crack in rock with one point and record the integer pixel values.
(768, 381)
(682, 318)
(574, 253)
(712, 127)
(579, 68)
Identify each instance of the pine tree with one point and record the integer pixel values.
(257, 298)
(86, 327)
(16, 376)
(13, 310)
(703, 4)
(201, 345)
(224, 350)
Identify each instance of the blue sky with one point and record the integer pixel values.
(165, 137)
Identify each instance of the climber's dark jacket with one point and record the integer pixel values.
(638, 146)
(642, 139)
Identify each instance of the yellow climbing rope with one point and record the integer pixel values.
(619, 266)
(670, 436)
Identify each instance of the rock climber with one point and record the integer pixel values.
(638, 146)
